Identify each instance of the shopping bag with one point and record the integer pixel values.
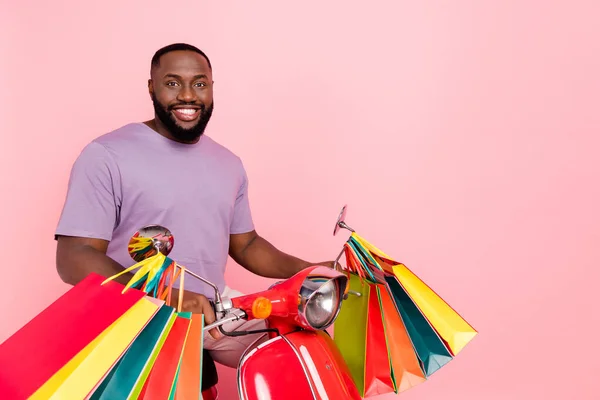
(412, 344)
(350, 330)
(378, 372)
(42, 347)
(454, 330)
(189, 377)
(406, 368)
(428, 346)
(437, 332)
(126, 379)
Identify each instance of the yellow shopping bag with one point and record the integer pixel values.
(453, 329)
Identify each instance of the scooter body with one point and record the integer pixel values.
(299, 365)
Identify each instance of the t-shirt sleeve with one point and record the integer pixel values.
(242, 217)
(93, 199)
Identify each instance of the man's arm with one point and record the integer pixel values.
(253, 252)
(77, 257)
(259, 256)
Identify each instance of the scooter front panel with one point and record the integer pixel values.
(302, 365)
(273, 371)
(329, 374)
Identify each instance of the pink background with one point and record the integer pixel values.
(462, 135)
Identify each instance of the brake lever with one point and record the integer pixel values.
(235, 315)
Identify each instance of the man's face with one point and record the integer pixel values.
(181, 91)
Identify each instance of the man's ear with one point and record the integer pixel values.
(150, 87)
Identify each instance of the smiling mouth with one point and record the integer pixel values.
(186, 114)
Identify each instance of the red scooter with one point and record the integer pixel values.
(294, 358)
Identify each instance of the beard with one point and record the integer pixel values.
(186, 135)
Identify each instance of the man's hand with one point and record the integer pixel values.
(197, 304)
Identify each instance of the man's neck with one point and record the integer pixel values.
(158, 127)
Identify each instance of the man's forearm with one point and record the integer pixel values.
(76, 264)
(262, 258)
(73, 266)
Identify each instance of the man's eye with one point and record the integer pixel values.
(171, 83)
(200, 84)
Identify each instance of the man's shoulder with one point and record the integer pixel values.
(121, 135)
(106, 147)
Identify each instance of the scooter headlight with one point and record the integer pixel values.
(321, 297)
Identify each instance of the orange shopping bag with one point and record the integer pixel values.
(189, 380)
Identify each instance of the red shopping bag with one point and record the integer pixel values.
(38, 350)
(378, 379)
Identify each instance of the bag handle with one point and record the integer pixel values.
(363, 259)
(370, 247)
(166, 293)
(158, 276)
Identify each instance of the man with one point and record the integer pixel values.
(166, 171)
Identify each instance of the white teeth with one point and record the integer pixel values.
(187, 111)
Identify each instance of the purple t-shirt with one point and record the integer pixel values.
(133, 177)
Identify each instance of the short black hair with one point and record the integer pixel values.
(176, 47)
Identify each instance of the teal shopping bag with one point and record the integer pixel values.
(430, 349)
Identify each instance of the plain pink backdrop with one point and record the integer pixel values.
(463, 136)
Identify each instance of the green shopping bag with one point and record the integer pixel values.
(350, 331)
(360, 336)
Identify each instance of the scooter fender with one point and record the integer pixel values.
(301, 365)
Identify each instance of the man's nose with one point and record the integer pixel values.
(187, 94)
